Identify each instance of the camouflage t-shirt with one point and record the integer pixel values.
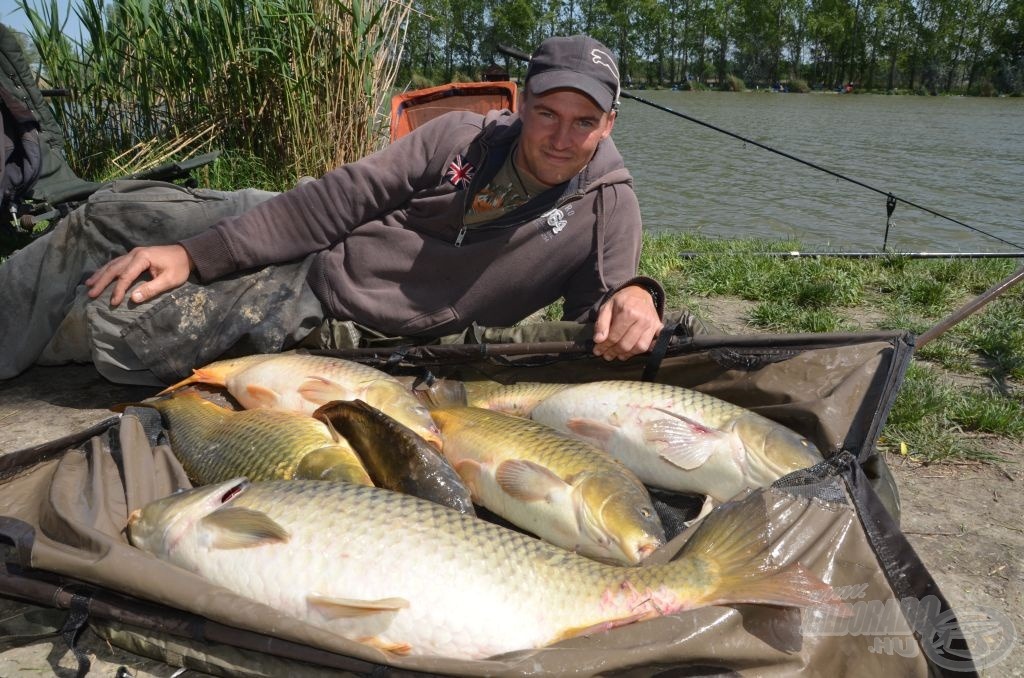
(508, 190)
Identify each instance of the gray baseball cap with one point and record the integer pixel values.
(577, 62)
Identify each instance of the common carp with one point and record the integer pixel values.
(394, 456)
(412, 577)
(302, 383)
(675, 438)
(519, 398)
(558, 487)
(214, 443)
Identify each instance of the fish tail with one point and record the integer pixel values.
(201, 375)
(733, 543)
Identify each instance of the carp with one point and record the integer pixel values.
(411, 577)
(558, 487)
(214, 443)
(301, 382)
(672, 437)
(394, 456)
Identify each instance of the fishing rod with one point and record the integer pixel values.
(580, 348)
(891, 199)
(939, 328)
(873, 255)
(969, 308)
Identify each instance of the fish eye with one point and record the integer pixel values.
(646, 513)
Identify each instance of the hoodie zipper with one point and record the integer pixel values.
(518, 221)
(497, 223)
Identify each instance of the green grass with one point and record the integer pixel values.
(935, 417)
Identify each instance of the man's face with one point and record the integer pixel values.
(561, 130)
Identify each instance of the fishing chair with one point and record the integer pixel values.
(36, 181)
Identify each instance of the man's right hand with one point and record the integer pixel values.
(168, 265)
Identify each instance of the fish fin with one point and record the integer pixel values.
(733, 541)
(528, 481)
(320, 390)
(591, 428)
(603, 626)
(384, 646)
(470, 471)
(264, 396)
(336, 608)
(236, 527)
(684, 442)
(791, 586)
(705, 510)
(201, 375)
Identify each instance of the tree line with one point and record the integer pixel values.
(921, 46)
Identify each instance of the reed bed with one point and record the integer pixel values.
(299, 85)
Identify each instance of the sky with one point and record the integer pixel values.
(13, 17)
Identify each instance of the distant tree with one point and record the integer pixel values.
(1007, 61)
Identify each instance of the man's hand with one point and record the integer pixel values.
(627, 324)
(168, 265)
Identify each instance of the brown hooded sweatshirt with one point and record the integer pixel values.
(392, 251)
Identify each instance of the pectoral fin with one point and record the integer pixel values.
(384, 646)
(683, 442)
(470, 471)
(235, 527)
(591, 428)
(319, 390)
(263, 395)
(528, 481)
(336, 608)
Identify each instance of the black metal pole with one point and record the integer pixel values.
(889, 196)
(969, 308)
(796, 254)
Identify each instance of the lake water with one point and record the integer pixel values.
(963, 157)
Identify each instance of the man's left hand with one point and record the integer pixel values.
(627, 324)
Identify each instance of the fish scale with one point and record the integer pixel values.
(558, 487)
(302, 382)
(214, 444)
(498, 590)
(671, 437)
(545, 445)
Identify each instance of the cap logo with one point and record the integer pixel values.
(604, 59)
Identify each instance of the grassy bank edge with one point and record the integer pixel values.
(962, 397)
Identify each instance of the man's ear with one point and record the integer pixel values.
(611, 123)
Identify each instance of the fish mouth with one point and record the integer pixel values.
(645, 550)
